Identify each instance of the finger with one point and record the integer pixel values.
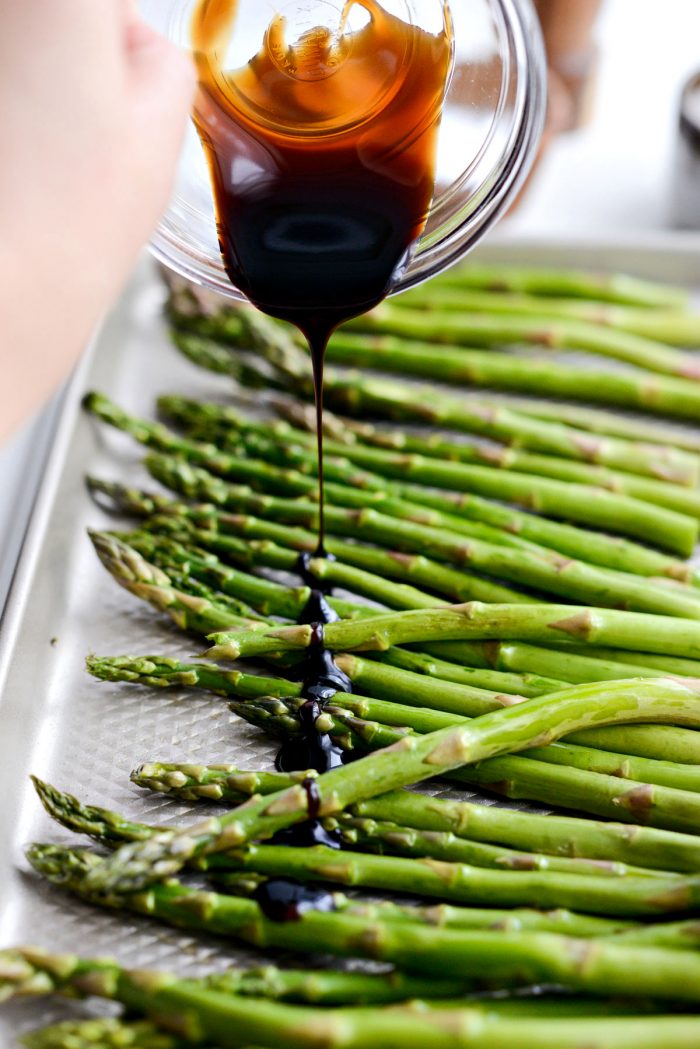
(162, 83)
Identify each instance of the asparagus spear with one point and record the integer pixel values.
(501, 958)
(212, 529)
(678, 328)
(669, 664)
(327, 571)
(29, 971)
(351, 392)
(613, 423)
(503, 371)
(102, 1033)
(393, 683)
(294, 483)
(514, 776)
(384, 836)
(474, 329)
(556, 283)
(518, 684)
(413, 759)
(595, 506)
(220, 425)
(110, 828)
(575, 665)
(660, 394)
(189, 611)
(261, 473)
(629, 896)
(552, 835)
(475, 621)
(208, 1013)
(179, 520)
(658, 492)
(537, 567)
(599, 549)
(192, 782)
(266, 597)
(463, 476)
(663, 742)
(439, 445)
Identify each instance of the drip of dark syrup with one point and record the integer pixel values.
(284, 900)
(321, 679)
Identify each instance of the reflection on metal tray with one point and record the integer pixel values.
(86, 736)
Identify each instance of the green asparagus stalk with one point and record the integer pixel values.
(293, 483)
(498, 681)
(674, 327)
(576, 665)
(598, 549)
(612, 423)
(565, 479)
(502, 371)
(259, 472)
(474, 621)
(352, 392)
(189, 611)
(660, 394)
(218, 424)
(466, 475)
(661, 742)
(328, 571)
(537, 567)
(663, 491)
(315, 987)
(629, 896)
(383, 836)
(668, 664)
(553, 834)
(413, 759)
(214, 530)
(580, 417)
(199, 1012)
(192, 782)
(556, 333)
(102, 1033)
(500, 958)
(561, 836)
(575, 786)
(196, 524)
(110, 828)
(561, 283)
(264, 596)
(595, 506)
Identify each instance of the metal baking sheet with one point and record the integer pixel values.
(85, 736)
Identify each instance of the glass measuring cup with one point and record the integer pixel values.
(490, 127)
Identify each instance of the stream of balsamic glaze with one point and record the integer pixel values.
(321, 679)
(321, 151)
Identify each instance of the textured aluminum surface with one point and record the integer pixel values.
(85, 736)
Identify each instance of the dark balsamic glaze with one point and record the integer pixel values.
(321, 679)
(322, 155)
(321, 150)
(284, 900)
(311, 832)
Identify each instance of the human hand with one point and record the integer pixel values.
(93, 107)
